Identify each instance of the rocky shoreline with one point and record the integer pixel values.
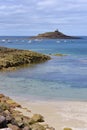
(12, 119)
(15, 120)
(12, 58)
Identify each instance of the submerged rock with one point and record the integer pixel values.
(58, 54)
(67, 129)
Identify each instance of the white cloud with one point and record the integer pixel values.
(36, 13)
(11, 9)
(62, 5)
(46, 3)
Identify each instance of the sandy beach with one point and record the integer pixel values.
(60, 114)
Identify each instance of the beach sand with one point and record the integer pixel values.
(59, 114)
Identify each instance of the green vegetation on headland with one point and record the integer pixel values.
(54, 35)
(13, 57)
(13, 119)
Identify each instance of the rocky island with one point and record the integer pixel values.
(54, 35)
(11, 58)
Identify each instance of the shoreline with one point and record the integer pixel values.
(57, 114)
(60, 114)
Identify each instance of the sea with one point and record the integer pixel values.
(61, 78)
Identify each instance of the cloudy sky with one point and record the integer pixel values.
(30, 17)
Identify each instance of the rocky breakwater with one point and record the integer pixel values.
(15, 120)
(13, 57)
(12, 119)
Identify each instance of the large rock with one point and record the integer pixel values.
(3, 123)
(8, 118)
(26, 121)
(18, 120)
(36, 118)
(4, 106)
(12, 103)
(26, 128)
(37, 127)
(13, 127)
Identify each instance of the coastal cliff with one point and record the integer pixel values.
(13, 57)
(53, 35)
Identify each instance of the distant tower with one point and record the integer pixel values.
(56, 30)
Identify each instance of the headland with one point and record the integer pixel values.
(12, 58)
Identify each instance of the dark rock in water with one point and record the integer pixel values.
(2, 122)
(54, 35)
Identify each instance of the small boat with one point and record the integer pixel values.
(58, 41)
(3, 40)
(38, 40)
(65, 41)
(29, 41)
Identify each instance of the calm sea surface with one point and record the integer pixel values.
(61, 78)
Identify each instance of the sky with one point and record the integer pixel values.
(31, 17)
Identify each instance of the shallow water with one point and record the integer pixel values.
(61, 78)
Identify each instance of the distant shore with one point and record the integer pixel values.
(54, 35)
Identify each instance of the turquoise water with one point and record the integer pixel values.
(61, 78)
